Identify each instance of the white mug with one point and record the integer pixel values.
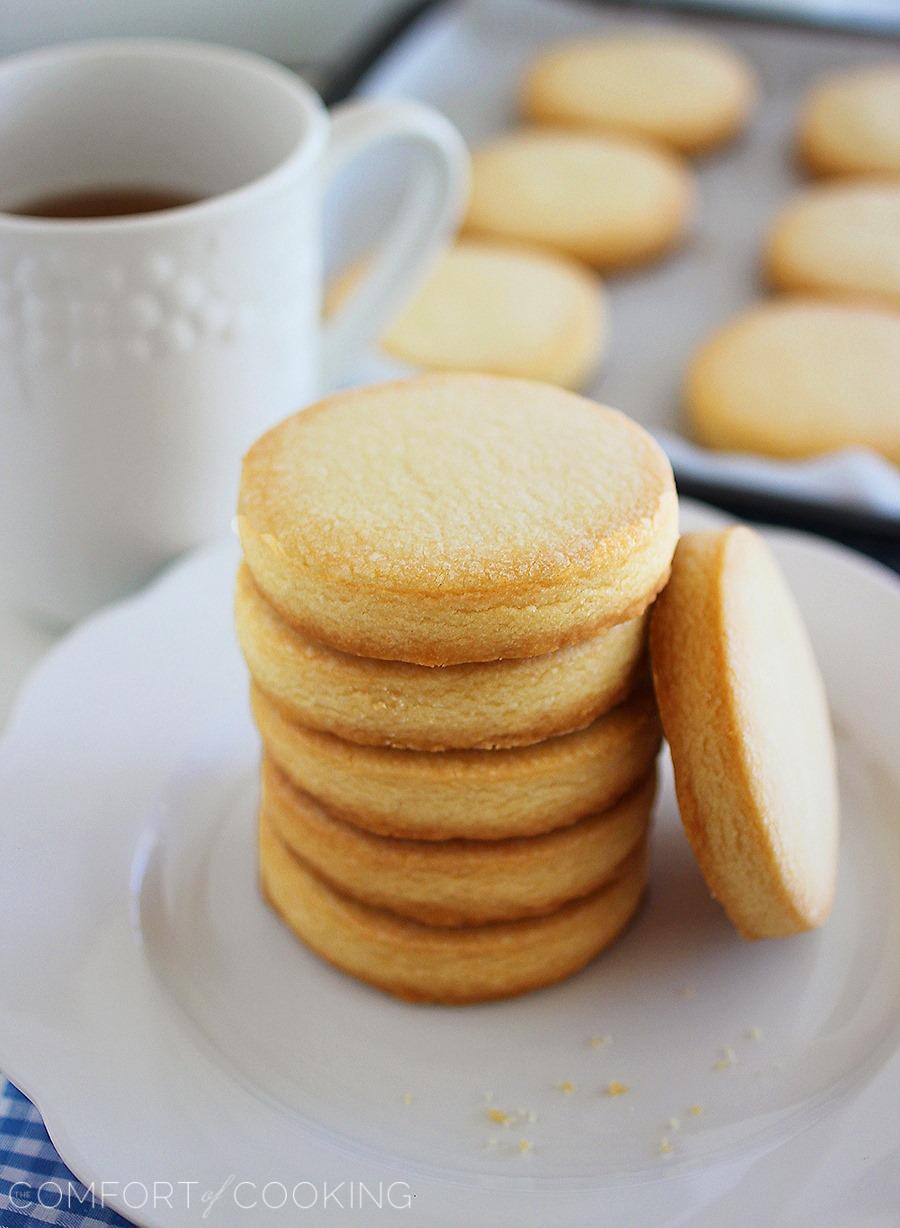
(141, 355)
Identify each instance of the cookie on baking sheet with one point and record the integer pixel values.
(425, 963)
(457, 518)
(840, 239)
(458, 882)
(687, 92)
(503, 310)
(611, 200)
(850, 123)
(745, 714)
(799, 376)
(476, 794)
(460, 707)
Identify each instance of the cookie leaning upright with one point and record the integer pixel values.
(745, 713)
(457, 518)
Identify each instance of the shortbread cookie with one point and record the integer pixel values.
(457, 518)
(850, 123)
(745, 714)
(503, 310)
(612, 201)
(840, 239)
(796, 377)
(686, 92)
(458, 882)
(477, 794)
(460, 707)
(425, 963)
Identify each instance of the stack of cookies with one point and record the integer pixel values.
(443, 607)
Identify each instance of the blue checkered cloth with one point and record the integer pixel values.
(35, 1185)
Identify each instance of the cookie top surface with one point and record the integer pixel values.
(840, 238)
(504, 310)
(745, 713)
(850, 123)
(686, 92)
(450, 482)
(800, 376)
(610, 200)
(435, 518)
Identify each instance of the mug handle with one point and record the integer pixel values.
(429, 213)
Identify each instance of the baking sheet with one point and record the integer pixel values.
(467, 59)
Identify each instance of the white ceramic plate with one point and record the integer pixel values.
(171, 1030)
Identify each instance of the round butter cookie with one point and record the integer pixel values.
(840, 239)
(457, 518)
(611, 201)
(476, 794)
(502, 310)
(797, 377)
(686, 92)
(426, 963)
(458, 707)
(745, 714)
(458, 882)
(850, 123)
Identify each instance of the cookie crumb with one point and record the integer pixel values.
(488, 1097)
(531, 1116)
(665, 1146)
(498, 1116)
(695, 1110)
(567, 1087)
(727, 1060)
(598, 1042)
(615, 1088)
(524, 1145)
(675, 1124)
(754, 1034)
(407, 1097)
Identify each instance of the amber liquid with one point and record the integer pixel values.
(102, 202)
